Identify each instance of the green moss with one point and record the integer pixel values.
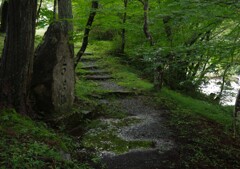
(109, 141)
(85, 89)
(113, 111)
(103, 137)
(28, 144)
(124, 75)
(184, 104)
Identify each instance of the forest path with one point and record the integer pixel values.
(149, 124)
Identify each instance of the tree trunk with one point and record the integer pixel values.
(17, 59)
(236, 114)
(87, 31)
(39, 10)
(124, 30)
(4, 16)
(54, 10)
(158, 71)
(66, 16)
(145, 25)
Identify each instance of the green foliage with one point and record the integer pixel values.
(187, 105)
(192, 38)
(28, 144)
(125, 76)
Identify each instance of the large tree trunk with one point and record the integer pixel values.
(66, 16)
(4, 16)
(17, 59)
(53, 80)
(87, 31)
(54, 10)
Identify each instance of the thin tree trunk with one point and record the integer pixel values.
(236, 113)
(39, 10)
(124, 30)
(145, 25)
(4, 16)
(17, 60)
(158, 71)
(87, 30)
(219, 97)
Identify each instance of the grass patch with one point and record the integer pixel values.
(124, 75)
(28, 144)
(181, 103)
(200, 132)
(85, 89)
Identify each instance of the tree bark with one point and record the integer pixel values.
(145, 25)
(66, 16)
(87, 31)
(54, 10)
(4, 16)
(17, 59)
(236, 113)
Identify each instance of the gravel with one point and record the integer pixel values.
(151, 127)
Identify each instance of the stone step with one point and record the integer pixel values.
(98, 77)
(90, 67)
(118, 93)
(121, 92)
(94, 72)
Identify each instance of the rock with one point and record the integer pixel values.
(53, 72)
(65, 156)
(89, 67)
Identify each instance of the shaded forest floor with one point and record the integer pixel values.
(120, 121)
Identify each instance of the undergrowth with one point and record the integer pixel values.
(180, 103)
(28, 144)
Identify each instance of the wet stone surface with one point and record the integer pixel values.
(109, 85)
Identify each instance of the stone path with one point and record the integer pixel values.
(151, 127)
